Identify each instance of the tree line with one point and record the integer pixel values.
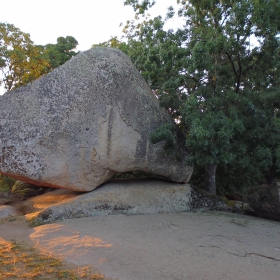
(218, 76)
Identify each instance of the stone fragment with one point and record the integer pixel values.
(77, 126)
(6, 211)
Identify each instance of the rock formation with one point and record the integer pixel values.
(119, 196)
(77, 126)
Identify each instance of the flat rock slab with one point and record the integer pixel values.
(207, 245)
(120, 196)
(6, 211)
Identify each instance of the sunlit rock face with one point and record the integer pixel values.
(77, 126)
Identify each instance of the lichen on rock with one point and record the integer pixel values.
(77, 126)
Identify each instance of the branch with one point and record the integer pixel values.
(232, 64)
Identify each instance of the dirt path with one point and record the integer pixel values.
(183, 246)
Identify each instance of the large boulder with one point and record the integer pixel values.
(77, 126)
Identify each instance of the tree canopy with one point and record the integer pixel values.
(62, 51)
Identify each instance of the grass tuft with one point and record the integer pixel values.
(19, 261)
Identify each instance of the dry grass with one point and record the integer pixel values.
(19, 261)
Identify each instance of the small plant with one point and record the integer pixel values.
(165, 133)
(35, 221)
(16, 258)
(6, 183)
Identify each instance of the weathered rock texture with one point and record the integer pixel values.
(77, 126)
(119, 196)
(6, 211)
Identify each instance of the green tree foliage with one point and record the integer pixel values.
(21, 61)
(62, 51)
(233, 82)
(218, 76)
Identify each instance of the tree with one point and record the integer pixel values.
(20, 60)
(229, 72)
(62, 51)
(222, 89)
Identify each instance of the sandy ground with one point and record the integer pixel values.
(178, 246)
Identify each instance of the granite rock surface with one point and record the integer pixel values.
(119, 197)
(6, 211)
(77, 126)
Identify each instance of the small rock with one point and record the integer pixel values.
(238, 204)
(6, 211)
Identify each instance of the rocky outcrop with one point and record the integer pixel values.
(77, 126)
(119, 196)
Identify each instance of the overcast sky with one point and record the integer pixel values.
(88, 21)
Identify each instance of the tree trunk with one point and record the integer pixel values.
(270, 177)
(210, 178)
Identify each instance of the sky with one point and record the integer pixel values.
(88, 21)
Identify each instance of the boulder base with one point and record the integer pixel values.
(119, 196)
